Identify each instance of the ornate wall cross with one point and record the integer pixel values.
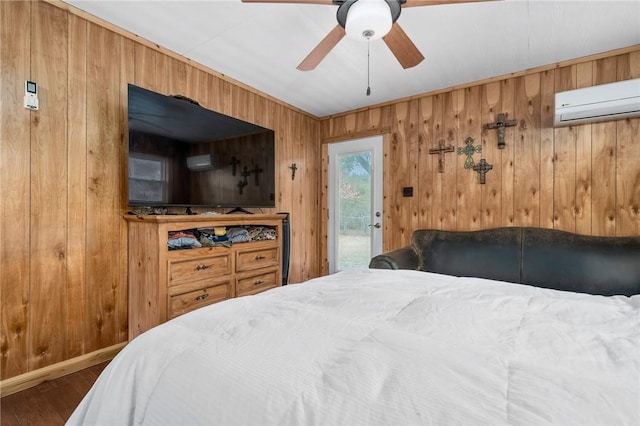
(469, 150)
(245, 173)
(441, 150)
(482, 167)
(293, 168)
(501, 125)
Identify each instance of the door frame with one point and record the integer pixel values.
(324, 222)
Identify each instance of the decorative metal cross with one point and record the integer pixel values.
(245, 173)
(469, 150)
(293, 168)
(241, 184)
(257, 170)
(482, 167)
(441, 150)
(234, 163)
(501, 125)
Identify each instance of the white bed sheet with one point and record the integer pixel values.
(382, 347)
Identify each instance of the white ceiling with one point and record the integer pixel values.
(261, 44)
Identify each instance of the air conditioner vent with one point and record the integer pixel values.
(612, 101)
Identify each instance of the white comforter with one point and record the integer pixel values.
(383, 347)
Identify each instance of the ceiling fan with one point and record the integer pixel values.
(367, 20)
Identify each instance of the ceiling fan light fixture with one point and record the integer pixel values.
(368, 20)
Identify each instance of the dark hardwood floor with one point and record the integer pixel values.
(50, 403)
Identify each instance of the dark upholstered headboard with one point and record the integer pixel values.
(534, 256)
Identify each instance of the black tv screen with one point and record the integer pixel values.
(181, 154)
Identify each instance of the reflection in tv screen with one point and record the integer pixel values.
(181, 154)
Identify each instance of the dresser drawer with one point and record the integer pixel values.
(251, 259)
(256, 283)
(184, 302)
(201, 268)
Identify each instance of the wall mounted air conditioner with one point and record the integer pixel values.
(604, 102)
(202, 163)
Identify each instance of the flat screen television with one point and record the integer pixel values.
(183, 155)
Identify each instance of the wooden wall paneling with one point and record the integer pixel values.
(527, 151)
(402, 156)
(312, 188)
(628, 177)
(628, 136)
(603, 149)
(103, 198)
(271, 120)
(261, 117)
(361, 119)
(387, 139)
(453, 168)
(15, 204)
(298, 193)
(427, 165)
(350, 123)
(381, 119)
(283, 152)
(633, 68)
(224, 97)
(343, 125)
(437, 178)
(509, 191)
(324, 209)
(491, 106)
(583, 207)
(564, 160)
(375, 119)
(412, 137)
(241, 100)
(394, 184)
(547, 102)
(121, 290)
(197, 87)
(285, 136)
(603, 70)
(468, 187)
(603, 183)
(76, 186)
(145, 67)
(368, 119)
(177, 77)
(48, 213)
(308, 195)
(162, 74)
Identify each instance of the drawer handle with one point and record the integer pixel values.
(202, 297)
(258, 282)
(202, 267)
(259, 257)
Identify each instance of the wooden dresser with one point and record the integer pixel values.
(164, 284)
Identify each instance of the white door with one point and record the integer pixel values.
(355, 203)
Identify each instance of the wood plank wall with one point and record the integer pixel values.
(63, 176)
(583, 178)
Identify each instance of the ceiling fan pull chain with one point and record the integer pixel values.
(368, 62)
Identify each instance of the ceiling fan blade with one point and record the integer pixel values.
(402, 47)
(413, 3)
(322, 49)
(330, 2)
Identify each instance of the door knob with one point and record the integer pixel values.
(375, 225)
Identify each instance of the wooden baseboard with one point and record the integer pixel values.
(34, 378)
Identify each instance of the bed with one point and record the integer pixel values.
(401, 345)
